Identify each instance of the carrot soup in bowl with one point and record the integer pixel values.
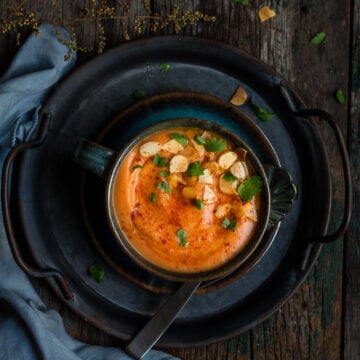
(186, 199)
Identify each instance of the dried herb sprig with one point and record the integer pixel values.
(97, 14)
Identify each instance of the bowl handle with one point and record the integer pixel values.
(340, 232)
(283, 193)
(62, 284)
(94, 157)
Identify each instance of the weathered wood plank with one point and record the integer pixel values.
(352, 242)
(309, 325)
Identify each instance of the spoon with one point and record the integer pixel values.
(147, 337)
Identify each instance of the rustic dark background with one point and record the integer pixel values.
(322, 319)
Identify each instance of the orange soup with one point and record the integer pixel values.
(187, 199)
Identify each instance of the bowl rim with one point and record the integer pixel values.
(234, 262)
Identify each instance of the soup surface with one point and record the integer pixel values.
(187, 199)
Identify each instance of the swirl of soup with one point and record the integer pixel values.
(187, 199)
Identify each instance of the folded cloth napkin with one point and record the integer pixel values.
(27, 329)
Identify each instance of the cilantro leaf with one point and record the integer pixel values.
(229, 224)
(215, 145)
(319, 38)
(137, 167)
(249, 188)
(153, 198)
(159, 161)
(199, 204)
(97, 272)
(195, 169)
(261, 113)
(164, 67)
(164, 173)
(199, 140)
(163, 186)
(243, 2)
(139, 94)
(182, 234)
(340, 96)
(228, 176)
(180, 139)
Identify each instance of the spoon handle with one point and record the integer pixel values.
(153, 330)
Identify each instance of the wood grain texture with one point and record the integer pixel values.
(322, 319)
(351, 303)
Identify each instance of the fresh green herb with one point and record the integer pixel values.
(200, 140)
(160, 161)
(228, 176)
(260, 112)
(319, 38)
(165, 67)
(229, 224)
(137, 167)
(195, 169)
(243, 2)
(164, 173)
(249, 188)
(97, 272)
(340, 96)
(180, 139)
(153, 198)
(163, 186)
(215, 145)
(139, 94)
(181, 234)
(199, 204)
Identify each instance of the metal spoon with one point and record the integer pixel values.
(140, 345)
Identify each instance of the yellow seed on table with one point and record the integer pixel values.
(239, 97)
(265, 13)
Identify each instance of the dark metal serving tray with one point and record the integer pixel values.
(55, 221)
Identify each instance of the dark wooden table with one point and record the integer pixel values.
(322, 319)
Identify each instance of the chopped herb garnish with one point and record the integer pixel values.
(243, 2)
(249, 188)
(228, 176)
(180, 139)
(165, 67)
(199, 204)
(139, 94)
(153, 198)
(215, 145)
(181, 234)
(229, 224)
(200, 140)
(261, 113)
(164, 173)
(97, 272)
(160, 161)
(319, 38)
(163, 186)
(137, 167)
(340, 97)
(195, 169)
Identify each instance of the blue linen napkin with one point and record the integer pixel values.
(28, 330)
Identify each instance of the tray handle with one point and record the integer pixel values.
(38, 273)
(340, 232)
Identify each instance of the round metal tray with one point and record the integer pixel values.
(49, 186)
